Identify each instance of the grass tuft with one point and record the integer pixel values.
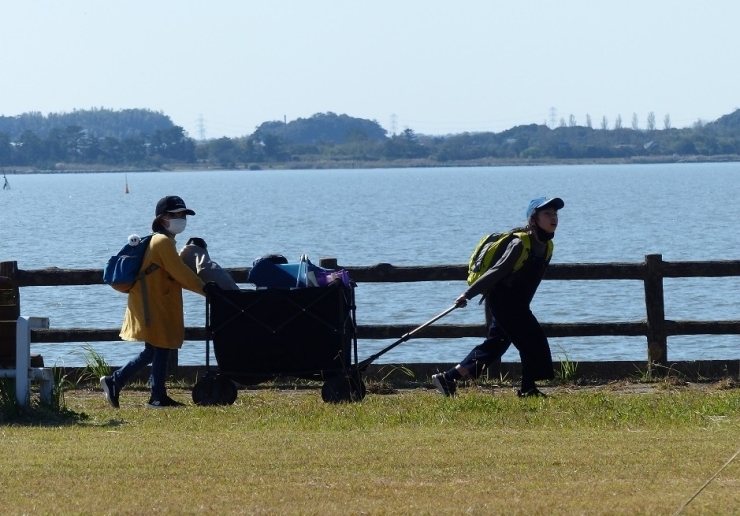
(95, 365)
(37, 413)
(568, 372)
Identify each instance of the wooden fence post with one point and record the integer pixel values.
(654, 304)
(10, 310)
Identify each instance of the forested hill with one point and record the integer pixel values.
(728, 124)
(143, 138)
(121, 124)
(324, 128)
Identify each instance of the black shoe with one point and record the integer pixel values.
(531, 393)
(446, 387)
(110, 391)
(165, 402)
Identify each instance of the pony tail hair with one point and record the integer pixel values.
(157, 225)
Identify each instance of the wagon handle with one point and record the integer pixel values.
(363, 365)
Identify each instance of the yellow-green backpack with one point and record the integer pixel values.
(490, 249)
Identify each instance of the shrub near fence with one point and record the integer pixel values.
(655, 328)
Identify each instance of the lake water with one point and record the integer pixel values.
(613, 213)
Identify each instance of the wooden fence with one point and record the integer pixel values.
(655, 328)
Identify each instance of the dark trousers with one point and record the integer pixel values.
(508, 325)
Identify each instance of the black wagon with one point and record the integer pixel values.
(263, 334)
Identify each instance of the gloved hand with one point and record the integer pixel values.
(461, 302)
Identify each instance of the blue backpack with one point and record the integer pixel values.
(124, 269)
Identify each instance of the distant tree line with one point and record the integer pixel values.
(97, 136)
(99, 122)
(331, 137)
(74, 145)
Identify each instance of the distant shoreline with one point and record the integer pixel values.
(68, 168)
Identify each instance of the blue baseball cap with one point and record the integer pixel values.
(542, 202)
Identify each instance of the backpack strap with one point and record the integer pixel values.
(141, 277)
(144, 294)
(527, 241)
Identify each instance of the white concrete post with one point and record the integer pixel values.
(23, 356)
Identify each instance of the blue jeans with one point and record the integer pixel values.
(150, 355)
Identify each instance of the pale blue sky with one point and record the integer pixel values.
(434, 66)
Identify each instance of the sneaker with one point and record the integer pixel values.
(163, 403)
(110, 391)
(446, 387)
(531, 393)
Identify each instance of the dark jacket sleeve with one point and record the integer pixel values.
(498, 270)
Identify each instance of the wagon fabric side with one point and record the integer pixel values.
(267, 333)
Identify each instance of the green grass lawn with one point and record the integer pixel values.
(580, 451)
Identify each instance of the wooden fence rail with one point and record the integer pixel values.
(655, 328)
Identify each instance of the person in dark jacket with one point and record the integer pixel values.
(508, 294)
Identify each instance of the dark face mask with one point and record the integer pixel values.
(542, 235)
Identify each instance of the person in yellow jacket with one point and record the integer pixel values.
(154, 314)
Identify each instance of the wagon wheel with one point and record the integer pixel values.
(343, 388)
(202, 391)
(214, 390)
(333, 390)
(228, 390)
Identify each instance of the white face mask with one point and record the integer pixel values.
(177, 226)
